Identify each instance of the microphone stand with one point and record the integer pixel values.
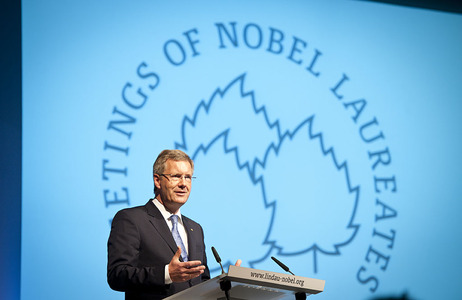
(225, 284)
(298, 295)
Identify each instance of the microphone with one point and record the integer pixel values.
(218, 259)
(298, 295)
(282, 265)
(225, 285)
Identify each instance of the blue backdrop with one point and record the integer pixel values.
(324, 133)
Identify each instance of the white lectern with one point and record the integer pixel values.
(252, 284)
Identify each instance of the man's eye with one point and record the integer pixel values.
(187, 177)
(176, 176)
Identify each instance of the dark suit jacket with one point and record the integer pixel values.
(139, 247)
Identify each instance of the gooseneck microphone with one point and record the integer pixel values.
(218, 259)
(298, 295)
(225, 284)
(282, 265)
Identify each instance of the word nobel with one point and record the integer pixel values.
(274, 277)
(251, 36)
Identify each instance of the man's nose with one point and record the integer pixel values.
(182, 180)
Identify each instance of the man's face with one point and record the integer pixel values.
(174, 188)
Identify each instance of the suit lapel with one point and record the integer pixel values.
(159, 224)
(192, 255)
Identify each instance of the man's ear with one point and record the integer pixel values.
(157, 180)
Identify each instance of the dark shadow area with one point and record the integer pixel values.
(404, 296)
(10, 153)
(442, 5)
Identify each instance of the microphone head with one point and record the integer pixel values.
(217, 257)
(283, 266)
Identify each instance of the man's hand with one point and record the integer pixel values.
(184, 271)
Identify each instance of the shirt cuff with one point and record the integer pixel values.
(168, 280)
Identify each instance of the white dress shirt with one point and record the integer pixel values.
(166, 215)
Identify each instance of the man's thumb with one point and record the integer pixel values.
(177, 254)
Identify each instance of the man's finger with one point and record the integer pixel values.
(193, 274)
(198, 269)
(192, 263)
(177, 254)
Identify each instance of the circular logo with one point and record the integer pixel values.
(290, 160)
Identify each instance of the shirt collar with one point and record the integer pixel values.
(165, 213)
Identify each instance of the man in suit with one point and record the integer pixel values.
(153, 250)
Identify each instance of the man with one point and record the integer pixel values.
(147, 244)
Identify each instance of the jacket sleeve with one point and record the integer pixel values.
(206, 275)
(124, 271)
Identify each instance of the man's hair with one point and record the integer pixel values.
(176, 155)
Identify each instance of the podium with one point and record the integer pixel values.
(252, 284)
